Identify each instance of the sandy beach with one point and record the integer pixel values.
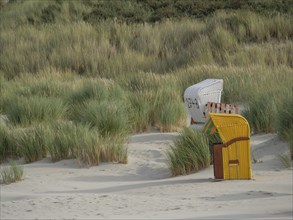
(144, 189)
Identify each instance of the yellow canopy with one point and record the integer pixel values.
(230, 126)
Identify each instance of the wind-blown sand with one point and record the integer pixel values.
(143, 188)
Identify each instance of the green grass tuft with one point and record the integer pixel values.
(89, 90)
(27, 110)
(11, 173)
(285, 119)
(31, 143)
(189, 153)
(108, 117)
(261, 114)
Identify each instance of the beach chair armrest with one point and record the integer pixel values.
(232, 141)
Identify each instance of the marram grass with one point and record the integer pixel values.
(261, 113)
(189, 153)
(28, 110)
(31, 143)
(11, 173)
(285, 121)
(118, 78)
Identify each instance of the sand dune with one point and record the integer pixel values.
(143, 188)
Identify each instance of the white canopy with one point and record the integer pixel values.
(198, 95)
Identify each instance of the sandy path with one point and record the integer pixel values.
(143, 188)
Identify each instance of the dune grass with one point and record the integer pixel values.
(286, 160)
(169, 111)
(11, 173)
(85, 144)
(139, 109)
(6, 149)
(43, 89)
(31, 143)
(261, 114)
(189, 153)
(109, 49)
(285, 118)
(113, 149)
(111, 79)
(107, 117)
(71, 140)
(89, 90)
(28, 110)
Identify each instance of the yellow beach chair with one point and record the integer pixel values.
(231, 145)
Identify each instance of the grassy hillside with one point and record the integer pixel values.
(130, 11)
(111, 49)
(89, 73)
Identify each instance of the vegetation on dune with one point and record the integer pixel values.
(284, 121)
(7, 150)
(110, 50)
(261, 113)
(189, 153)
(77, 77)
(129, 11)
(11, 173)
